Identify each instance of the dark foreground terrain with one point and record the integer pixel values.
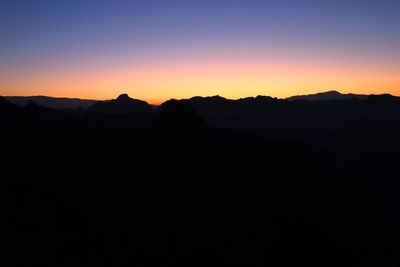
(203, 182)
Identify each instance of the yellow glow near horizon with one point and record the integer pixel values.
(159, 82)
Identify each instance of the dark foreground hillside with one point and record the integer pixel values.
(127, 185)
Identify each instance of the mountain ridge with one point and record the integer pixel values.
(122, 104)
(328, 95)
(52, 102)
(77, 103)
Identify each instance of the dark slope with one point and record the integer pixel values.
(180, 116)
(311, 121)
(9, 111)
(5, 105)
(86, 191)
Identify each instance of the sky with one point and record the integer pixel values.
(160, 49)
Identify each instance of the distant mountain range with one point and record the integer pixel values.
(52, 102)
(329, 95)
(310, 118)
(124, 103)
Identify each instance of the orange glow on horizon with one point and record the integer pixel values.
(229, 78)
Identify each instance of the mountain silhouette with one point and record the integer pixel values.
(179, 115)
(334, 124)
(206, 181)
(3, 102)
(122, 104)
(31, 104)
(74, 103)
(329, 95)
(8, 110)
(384, 98)
(52, 102)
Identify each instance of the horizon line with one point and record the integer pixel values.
(159, 102)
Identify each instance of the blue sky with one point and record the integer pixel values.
(42, 35)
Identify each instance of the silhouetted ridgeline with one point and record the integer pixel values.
(52, 102)
(203, 182)
(123, 104)
(330, 95)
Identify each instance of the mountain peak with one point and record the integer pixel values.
(123, 97)
(122, 104)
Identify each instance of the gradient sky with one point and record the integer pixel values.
(160, 49)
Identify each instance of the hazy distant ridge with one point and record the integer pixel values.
(329, 95)
(52, 102)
